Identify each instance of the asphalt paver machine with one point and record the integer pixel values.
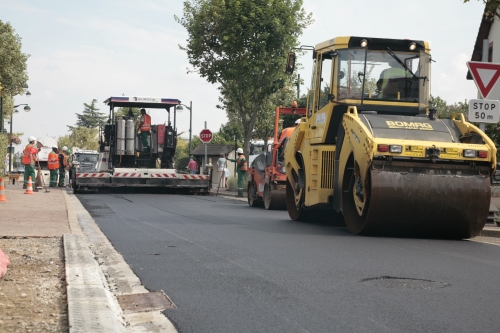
(123, 162)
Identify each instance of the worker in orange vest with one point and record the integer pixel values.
(53, 165)
(29, 159)
(144, 128)
(241, 166)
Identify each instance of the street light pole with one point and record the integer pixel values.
(190, 124)
(1, 114)
(190, 108)
(27, 109)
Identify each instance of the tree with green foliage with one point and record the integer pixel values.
(81, 137)
(492, 7)
(129, 112)
(13, 77)
(264, 127)
(90, 117)
(231, 130)
(13, 62)
(242, 46)
(181, 157)
(217, 139)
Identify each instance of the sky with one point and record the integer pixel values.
(94, 49)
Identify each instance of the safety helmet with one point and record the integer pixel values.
(64, 148)
(68, 151)
(54, 147)
(31, 138)
(239, 151)
(40, 142)
(297, 121)
(294, 104)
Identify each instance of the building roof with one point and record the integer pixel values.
(212, 149)
(483, 33)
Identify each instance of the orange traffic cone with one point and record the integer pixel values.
(2, 191)
(29, 188)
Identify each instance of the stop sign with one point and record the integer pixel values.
(206, 135)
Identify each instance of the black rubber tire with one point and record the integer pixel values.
(251, 197)
(354, 222)
(295, 213)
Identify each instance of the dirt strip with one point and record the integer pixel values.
(33, 292)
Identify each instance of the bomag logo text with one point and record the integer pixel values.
(412, 125)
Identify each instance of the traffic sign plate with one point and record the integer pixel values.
(485, 75)
(206, 135)
(484, 111)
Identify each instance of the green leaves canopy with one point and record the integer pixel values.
(13, 68)
(81, 137)
(242, 45)
(90, 117)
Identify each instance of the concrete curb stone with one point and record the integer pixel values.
(124, 280)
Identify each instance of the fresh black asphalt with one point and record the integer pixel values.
(232, 268)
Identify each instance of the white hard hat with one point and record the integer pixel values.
(239, 151)
(54, 147)
(41, 142)
(31, 138)
(64, 148)
(297, 121)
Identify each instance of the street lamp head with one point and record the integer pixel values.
(28, 94)
(25, 87)
(27, 108)
(179, 108)
(16, 111)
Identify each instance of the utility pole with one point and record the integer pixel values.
(191, 124)
(298, 87)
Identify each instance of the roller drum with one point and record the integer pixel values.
(274, 199)
(120, 137)
(437, 201)
(130, 137)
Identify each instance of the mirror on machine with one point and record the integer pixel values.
(290, 63)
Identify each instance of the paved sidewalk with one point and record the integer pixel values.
(43, 214)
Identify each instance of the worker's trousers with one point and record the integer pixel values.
(62, 176)
(241, 182)
(29, 171)
(53, 178)
(222, 179)
(144, 139)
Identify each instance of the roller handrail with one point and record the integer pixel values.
(354, 109)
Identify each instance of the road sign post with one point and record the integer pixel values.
(485, 75)
(484, 111)
(205, 137)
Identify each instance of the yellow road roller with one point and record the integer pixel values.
(371, 152)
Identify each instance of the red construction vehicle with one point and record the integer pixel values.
(266, 175)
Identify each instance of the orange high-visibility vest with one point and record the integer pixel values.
(242, 163)
(29, 153)
(146, 125)
(53, 161)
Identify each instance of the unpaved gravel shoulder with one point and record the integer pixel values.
(33, 292)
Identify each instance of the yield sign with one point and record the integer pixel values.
(485, 74)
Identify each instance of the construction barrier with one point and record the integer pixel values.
(29, 188)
